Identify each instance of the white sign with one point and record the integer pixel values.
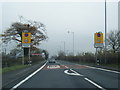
(98, 45)
(25, 45)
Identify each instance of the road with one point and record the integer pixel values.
(69, 75)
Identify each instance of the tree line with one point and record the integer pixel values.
(112, 53)
(14, 34)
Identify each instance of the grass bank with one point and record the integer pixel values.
(0, 70)
(15, 67)
(111, 65)
(106, 65)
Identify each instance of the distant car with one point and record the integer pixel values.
(51, 61)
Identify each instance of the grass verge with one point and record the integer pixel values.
(111, 65)
(0, 70)
(106, 65)
(15, 67)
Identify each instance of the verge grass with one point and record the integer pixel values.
(15, 67)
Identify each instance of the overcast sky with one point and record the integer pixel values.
(82, 18)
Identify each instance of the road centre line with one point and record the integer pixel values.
(28, 77)
(101, 69)
(94, 84)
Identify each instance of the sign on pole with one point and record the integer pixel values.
(98, 40)
(26, 39)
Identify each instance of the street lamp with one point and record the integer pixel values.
(105, 33)
(73, 40)
(63, 46)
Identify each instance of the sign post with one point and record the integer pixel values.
(26, 41)
(98, 44)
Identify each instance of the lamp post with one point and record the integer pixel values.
(105, 33)
(73, 40)
(64, 46)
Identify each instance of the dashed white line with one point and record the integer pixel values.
(94, 83)
(27, 77)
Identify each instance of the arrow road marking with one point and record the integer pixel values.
(73, 73)
(77, 74)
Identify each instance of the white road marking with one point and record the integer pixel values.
(63, 65)
(100, 69)
(28, 77)
(66, 67)
(77, 74)
(53, 66)
(74, 73)
(94, 83)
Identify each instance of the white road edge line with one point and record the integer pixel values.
(94, 84)
(28, 77)
(100, 69)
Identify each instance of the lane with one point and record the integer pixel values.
(104, 78)
(69, 75)
(56, 78)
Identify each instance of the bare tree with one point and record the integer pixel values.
(14, 32)
(114, 41)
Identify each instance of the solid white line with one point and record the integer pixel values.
(27, 77)
(101, 69)
(94, 83)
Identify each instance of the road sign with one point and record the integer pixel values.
(98, 39)
(26, 39)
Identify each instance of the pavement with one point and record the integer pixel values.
(64, 74)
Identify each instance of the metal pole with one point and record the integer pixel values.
(29, 57)
(64, 46)
(23, 57)
(96, 55)
(73, 43)
(29, 53)
(105, 33)
(60, 48)
(64, 51)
